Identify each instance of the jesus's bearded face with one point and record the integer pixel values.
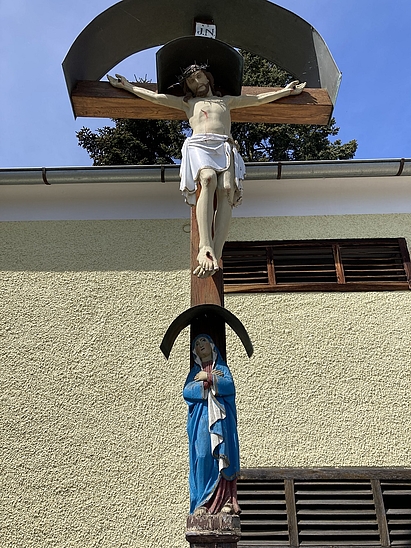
(199, 84)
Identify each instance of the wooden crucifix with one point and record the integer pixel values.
(211, 174)
(211, 167)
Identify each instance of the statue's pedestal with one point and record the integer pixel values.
(215, 531)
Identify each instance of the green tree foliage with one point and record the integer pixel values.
(281, 142)
(134, 142)
(157, 141)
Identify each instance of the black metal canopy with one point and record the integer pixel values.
(258, 26)
(210, 311)
(224, 62)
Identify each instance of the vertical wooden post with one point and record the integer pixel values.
(206, 291)
(381, 515)
(220, 530)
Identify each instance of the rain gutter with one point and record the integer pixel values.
(170, 173)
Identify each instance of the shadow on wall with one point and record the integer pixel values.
(61, 246)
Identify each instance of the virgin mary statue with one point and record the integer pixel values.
(212, 431)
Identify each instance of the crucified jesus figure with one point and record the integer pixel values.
(209, 157)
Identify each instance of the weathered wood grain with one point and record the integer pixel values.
(101, 100)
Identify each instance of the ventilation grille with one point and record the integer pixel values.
(317, 265)
(376, 262)
(322, 511)
(246, 264)
(397, 502)
(336, 513)
(299, 264)
(264, 513)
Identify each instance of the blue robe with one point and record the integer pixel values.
(204, 466)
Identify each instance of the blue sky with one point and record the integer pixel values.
(369, 40)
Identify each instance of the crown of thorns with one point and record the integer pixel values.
(187, 72)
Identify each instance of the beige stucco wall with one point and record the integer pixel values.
(94, 451)
(333, 379)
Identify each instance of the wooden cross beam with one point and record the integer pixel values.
(101, 100)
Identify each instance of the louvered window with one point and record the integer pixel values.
(327, 508)
(317, 265)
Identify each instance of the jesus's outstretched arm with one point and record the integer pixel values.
(243, 101)
(158, 98)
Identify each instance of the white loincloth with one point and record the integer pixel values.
(209, 150)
